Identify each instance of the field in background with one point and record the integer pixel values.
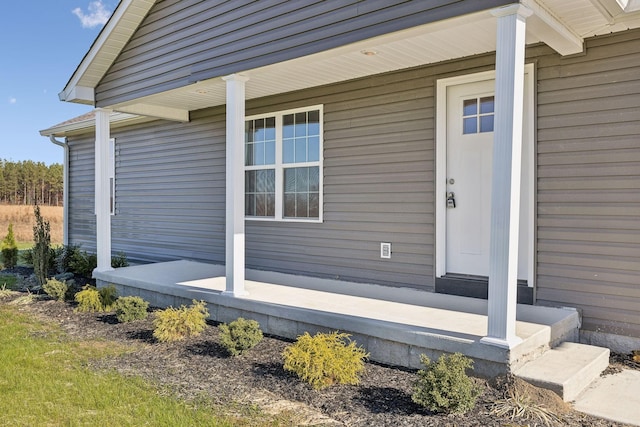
(23, 221)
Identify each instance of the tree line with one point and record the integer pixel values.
(29, 183)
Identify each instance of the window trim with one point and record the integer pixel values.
(279, 166)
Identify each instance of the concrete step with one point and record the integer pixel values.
(567, 369)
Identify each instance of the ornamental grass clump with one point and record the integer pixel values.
(129, 309)
(325, 359)
(445, 386)
(175, 324)
(56, 289)
(240, 336)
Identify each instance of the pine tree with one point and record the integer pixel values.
(42, 239)
(9, 249)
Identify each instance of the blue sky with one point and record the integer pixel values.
(41, 44)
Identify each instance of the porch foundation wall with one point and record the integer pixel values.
(288, 312)
(618, 343)
(381, 350)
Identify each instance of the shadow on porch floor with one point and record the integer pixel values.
(395, 325)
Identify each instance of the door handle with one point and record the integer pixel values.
(451, 199)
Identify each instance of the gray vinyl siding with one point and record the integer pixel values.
(185, 41)
(82, 221)
(589, 183)
(170, 191)
(378, 185)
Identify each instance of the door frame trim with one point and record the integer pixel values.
(441, 162)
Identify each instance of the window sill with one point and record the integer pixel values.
(288, 220)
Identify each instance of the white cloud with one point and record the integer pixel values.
(12, 100)
(96, 15)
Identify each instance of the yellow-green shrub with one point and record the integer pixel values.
(240, 335)
(129, 309)
(445, 386)
(325, 359)
(90, 299)
(175, 324)
(56, 289)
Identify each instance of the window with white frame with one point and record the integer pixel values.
(283, 165)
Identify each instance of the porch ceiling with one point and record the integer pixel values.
(561, 24)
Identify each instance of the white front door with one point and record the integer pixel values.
(469, 143)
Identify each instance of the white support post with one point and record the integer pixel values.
(505, 186)
(234, 256)
(102, 190)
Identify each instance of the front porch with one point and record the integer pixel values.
(395, 325)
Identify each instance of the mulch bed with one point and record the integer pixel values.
(199, 368)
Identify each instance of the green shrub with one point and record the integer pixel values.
(90, 299)
(129, 309)
(71, 258)
(27, 257)
(175, 324)
(325, 359)
(444, 386)
(108, 296)
(119, 260)
(41, 247)
(66, 256)
(9, 249)
(240, 335)
(56, 289)
(83, 263)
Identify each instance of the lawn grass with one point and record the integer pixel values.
(45, 381)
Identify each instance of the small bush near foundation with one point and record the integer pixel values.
(240, 335)
(444, 386)
(129, 309)
(56, 289)
(108, 296)
(82, 263)
(175, 324)
(325, 359)
(119, 260)
(90, 299)
(66, 256)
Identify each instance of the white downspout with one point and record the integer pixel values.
(65, 188)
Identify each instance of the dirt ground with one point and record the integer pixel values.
(199, 368)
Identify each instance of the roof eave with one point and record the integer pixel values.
(107, 46)
(116, 120)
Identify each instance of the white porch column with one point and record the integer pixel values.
(235, 264)
(102, 190)
(507, 166)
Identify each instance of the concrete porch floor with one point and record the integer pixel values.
(395, 325)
